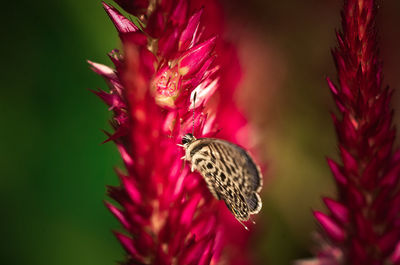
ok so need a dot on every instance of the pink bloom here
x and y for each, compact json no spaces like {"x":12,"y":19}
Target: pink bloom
{"x":362,"y":225}
{"x":168,"y":213}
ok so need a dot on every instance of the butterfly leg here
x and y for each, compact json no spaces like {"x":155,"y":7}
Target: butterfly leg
{"x":245,"y":227}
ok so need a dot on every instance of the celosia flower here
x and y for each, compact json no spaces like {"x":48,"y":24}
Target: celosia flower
{"x":363,"y":223}
{"x":168,"y":213}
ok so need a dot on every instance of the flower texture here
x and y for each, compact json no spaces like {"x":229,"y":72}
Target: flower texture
{"x":170,"y":55}
{"x":363,"y":224}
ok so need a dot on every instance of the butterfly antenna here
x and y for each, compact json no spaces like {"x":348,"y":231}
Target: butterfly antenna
{"x":194,"y":105}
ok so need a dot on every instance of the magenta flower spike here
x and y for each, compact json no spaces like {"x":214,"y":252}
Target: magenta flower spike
{"x":362,"y":226}
{"x":168,"y":214}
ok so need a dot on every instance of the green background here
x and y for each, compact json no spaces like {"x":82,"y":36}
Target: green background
{"x":54,"y":169}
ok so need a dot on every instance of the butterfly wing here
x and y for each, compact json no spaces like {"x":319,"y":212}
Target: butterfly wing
{"x":230,"y":174}
{"x":243,"y":172}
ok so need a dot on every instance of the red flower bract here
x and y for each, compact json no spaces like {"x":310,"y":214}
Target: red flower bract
{"x":168,"y":213}
{"x":363,"y":224}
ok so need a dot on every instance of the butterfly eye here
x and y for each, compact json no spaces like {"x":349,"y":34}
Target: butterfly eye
{"x":188,"y":138}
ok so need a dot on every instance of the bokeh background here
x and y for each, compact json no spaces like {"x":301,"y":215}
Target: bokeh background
{"x":54,"y":169}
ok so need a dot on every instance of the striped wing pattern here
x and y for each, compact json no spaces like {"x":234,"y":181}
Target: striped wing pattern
{"x":230,"y":174}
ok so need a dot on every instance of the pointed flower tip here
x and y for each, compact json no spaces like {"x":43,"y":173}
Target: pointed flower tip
{"x":189,"y":34}
{"x":196,"y":16}
{"x":194,"y":58}
{"x":101,"y":69}
{"x":332,"y":86}
{"x":122,"y":24}
{"x":349,"y":162}
{"x":132,"y":189}
{"x":330,"y":227}
{"x":118,"y":214}
{"x":127,"y":243}
{"x":337,"y":172}
{"x":179,"y":14}
{"x":338,"y":210}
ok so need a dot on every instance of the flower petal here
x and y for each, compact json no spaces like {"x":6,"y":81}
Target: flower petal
{"x":189,"y":210}
{"x":122,"y":24}
{"x":178,"y":16}
{"x":337,"y":172}
{"x":119,"y":215}
{"x":189,"y":34}
{"x":203,"y":93}
{"x":195,"y":252}
{"x":127,"y":243}
{"x":194,"y":58}
{"x":338,"y":210}
{"x":331,"y":228}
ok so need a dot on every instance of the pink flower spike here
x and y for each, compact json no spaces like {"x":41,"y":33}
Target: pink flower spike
{"x":193,"y":59}
{"x":368,"y":176}
{"x":122,"y":24}
{"x":331,"y":228}
{"x":338,"y":210}
{"x":168,"y":214}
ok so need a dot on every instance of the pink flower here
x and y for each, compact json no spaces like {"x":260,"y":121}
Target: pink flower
{"x":168,"y":213}
{"x":362,"y":225}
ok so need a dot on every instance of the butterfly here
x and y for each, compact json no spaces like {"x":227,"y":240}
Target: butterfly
{"x":229,"y":171}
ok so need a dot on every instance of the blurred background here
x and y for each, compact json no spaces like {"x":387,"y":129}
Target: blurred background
{"x":54,"y":169}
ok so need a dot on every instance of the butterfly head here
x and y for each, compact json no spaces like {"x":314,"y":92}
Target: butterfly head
{"x":188,"y":139}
